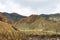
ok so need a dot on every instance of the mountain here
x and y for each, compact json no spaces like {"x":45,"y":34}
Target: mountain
{"x":35,"y":27}
{"x":13,"y":16}
{"x":38,"y":23}
{"x":3,"y":18}
{"x":30,"y":19}
{"x":34,"y":22}
{"x":47,"y":16}
{"x":54,"y":17}
{"x":16,"y":17}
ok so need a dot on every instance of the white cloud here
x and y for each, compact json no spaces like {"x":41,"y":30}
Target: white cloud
{"x":57,"y":9}
{"x":11,"y":6}
{"x":37,"y":0}
{"x":2,"y":7}
{"x":19,"y":9}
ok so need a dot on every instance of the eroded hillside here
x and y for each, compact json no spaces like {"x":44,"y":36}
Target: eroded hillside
{"x":38,"y":24}
{"x":34,"y":27}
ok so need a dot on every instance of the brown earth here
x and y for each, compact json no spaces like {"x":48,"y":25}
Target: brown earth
{"x":7,"y":32}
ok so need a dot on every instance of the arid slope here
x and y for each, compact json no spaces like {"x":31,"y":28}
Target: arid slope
{"x":7,"y":32}
{"x":38,"y":24}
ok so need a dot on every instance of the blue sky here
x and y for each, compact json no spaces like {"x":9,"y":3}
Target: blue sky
{"x":28,"y":7}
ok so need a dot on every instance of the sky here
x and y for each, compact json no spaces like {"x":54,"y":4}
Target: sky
{"x":29,"y":7}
